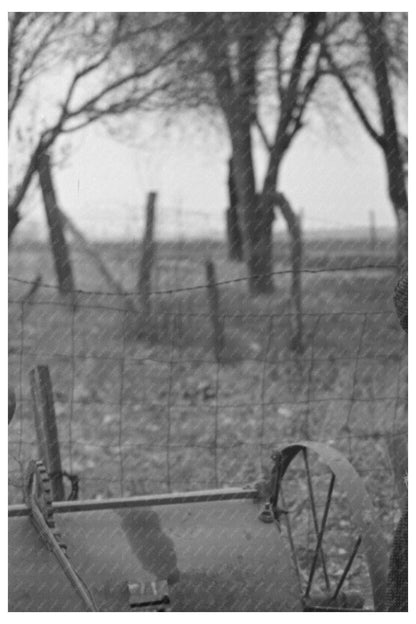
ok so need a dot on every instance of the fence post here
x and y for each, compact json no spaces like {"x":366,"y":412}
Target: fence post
{"x":146,"y":265}
{"x":373,"y":230}
{"x":295,"y":231}
{"x":214,"y":310}
{"x":46,"y":428}
{"x":59,"y":245}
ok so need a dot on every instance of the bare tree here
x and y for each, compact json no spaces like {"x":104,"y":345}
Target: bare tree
{"x":99,"y":80}
{"x":229,"y":63}
{"x":34,"y":45}
{"x":369,"y":60}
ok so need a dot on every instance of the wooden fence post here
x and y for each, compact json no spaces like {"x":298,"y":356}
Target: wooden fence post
{"x":214,"y":311}
{"x":58,"y":243}
{"x":146,"y":265}
{"x":295,"y":232}
{"x":46,"y":428}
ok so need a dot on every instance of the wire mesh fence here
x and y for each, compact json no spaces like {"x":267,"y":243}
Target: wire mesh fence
{"x":161,"y":413}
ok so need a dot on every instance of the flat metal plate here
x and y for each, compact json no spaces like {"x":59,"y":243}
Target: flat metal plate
{"x":36,"y":580}
{"x":215,"y":556}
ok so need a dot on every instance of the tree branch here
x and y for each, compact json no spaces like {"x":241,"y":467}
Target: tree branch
{"x":349,"y":91}
{"x":282,"y":138}
{"x":305,"y":95}
{"x":216,"y":56}
{"x":132,"y":76}
{"x":280,"y":38}
{"x":312,"y":21}
{"x":90,"y":110}
{"x":27,"y":71}
{"x":263,"y":135}
{"x":43,"y":144}
{"x":115,"y":108}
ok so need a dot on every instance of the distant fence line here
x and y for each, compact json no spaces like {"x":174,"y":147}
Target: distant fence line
{"x":178,"y":218}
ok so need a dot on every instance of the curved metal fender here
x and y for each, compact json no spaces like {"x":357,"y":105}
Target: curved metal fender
{"x":362,"y":511}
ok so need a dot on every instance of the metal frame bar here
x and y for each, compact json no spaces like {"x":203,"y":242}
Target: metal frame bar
{"x":314,"y":514}
{"x":202,"y":496}
{"x":320,"y":536}
{"x":346,"y":569}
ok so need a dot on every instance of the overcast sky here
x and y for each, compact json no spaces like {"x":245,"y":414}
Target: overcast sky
{"x":334,"y":179}
{"x":336,"y":182}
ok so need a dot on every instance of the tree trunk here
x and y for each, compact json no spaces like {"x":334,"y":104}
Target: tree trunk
{"x":58,"y":243}
{"x":261,"y":258}
{"x":14,"y":218}
{"x":257,"y":218}
{"x":237,"y":103}
{"x":391,"y":140}
{"x":234,"y":235}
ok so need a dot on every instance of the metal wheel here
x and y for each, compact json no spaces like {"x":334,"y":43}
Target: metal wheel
{"x":320,"y":503}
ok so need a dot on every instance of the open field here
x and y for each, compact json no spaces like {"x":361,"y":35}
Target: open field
{"x":144,"y":416}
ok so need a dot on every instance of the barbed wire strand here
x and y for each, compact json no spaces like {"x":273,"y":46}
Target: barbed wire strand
{"x":236,"y":280}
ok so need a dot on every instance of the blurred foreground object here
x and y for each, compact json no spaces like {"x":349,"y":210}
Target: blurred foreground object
{"x":400,"y":298}
{"x":397,"y":599}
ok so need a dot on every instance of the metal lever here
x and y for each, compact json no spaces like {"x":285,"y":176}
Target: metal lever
{"x":38,"y":499}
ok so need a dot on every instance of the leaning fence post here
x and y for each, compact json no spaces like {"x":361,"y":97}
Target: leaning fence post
{"x":146,"y":265}
{"x":46,"y":428}
{"x":214,"y":310}
{"x":59,"y":245}
{"x":295,"y":231}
